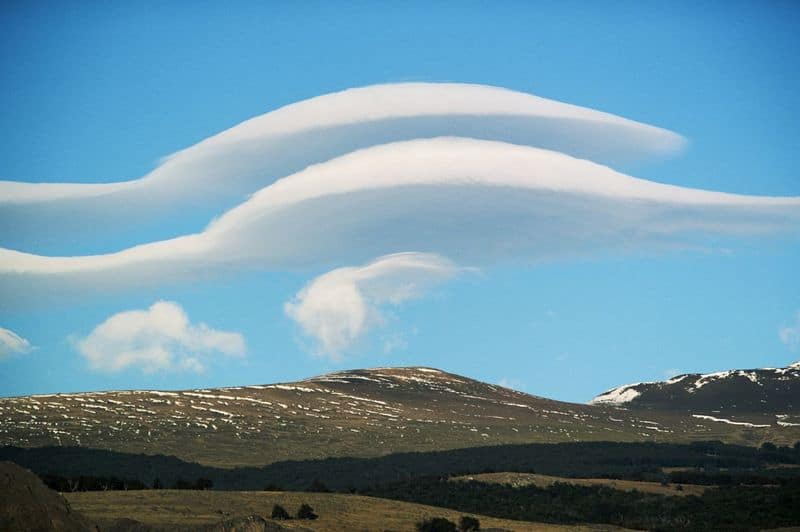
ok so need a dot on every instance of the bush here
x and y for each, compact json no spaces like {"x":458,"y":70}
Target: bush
{"x":436,"y":524}
{"x":317,"y":486}
{"x":203,"y":484}
{"x":181,"y":484}
{"x":279,"y":512}
{"x":468,"y":524}
{"x":306,"y":512}
{"x":199,"y":484}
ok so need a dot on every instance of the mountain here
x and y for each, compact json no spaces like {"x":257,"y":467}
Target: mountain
{"x":774,"y":391}
{"x":365,"y":413}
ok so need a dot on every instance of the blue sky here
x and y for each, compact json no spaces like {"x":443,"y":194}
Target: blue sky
{"x":99,"y":93}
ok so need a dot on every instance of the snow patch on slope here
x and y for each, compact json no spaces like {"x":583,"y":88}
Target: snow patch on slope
{"x":710,"y":377}
{"x":621,"y":395}
{"x":728,"y":421}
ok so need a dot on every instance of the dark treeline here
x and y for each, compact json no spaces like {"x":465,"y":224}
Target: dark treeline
{"x":739,"y":508}
{"x":709,"y":476}
{"x":632,"y":461}
{"x":89,"y":483}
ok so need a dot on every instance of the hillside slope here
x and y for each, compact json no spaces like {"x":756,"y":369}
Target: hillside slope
{"x":721,"y":395}
{"x":27,"y":504}
{"x":352,"y":413}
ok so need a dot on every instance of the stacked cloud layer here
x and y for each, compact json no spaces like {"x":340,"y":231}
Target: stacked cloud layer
{"x":477,"y":174}
{"x":475,"y":201}
{"x":188,"y":188}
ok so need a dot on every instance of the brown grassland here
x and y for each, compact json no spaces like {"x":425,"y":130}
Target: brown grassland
{"x":337,"y":512}
{"x":543,"y":481}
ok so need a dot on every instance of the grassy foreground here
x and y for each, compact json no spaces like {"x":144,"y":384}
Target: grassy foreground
{"x":337,"y":512}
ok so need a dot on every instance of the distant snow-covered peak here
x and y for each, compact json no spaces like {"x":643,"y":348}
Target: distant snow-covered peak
{"x":752,"y":390}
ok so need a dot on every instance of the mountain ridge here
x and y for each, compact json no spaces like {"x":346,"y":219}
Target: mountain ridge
{"x":772,"y":390}
{"x":362,"y":412}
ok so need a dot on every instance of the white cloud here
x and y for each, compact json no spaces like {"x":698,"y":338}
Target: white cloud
{"x":13,"y":344}
{"x":220,"y":171}
{"x":340,"y":308}
{"x":790,"y":333}
{"x":158,"y":338}
{"x":477,"y":202}
{"x":512,"y":384}
{"x":394,"y":342}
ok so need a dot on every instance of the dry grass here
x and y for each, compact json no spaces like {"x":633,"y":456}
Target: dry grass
{"x":338,"y":512}
{"x":543,"y":481}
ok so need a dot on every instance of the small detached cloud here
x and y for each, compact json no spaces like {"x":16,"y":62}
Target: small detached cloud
{"x":511,"y":384}
{"x":158,"y":338}
{"x":13,"y":344}
{"x":394,"y":342}
{"x":790,"y":333}
{"x":340,"y":308}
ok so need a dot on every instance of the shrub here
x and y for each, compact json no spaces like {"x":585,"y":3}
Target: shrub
{"x":181,"y":484}
{"x":203,"y":484}
{"x":306,"y":512}
{"x":768,"y":447}
{"x":436,"y":524}
{"x":317,"y":486}
{"x":468,"y":524}
{"x":279,"y":512}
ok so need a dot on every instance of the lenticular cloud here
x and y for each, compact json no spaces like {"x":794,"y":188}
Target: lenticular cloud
{"x":192,"y":186}
{"x":476,"y":202}
{"x":344,"y":178}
